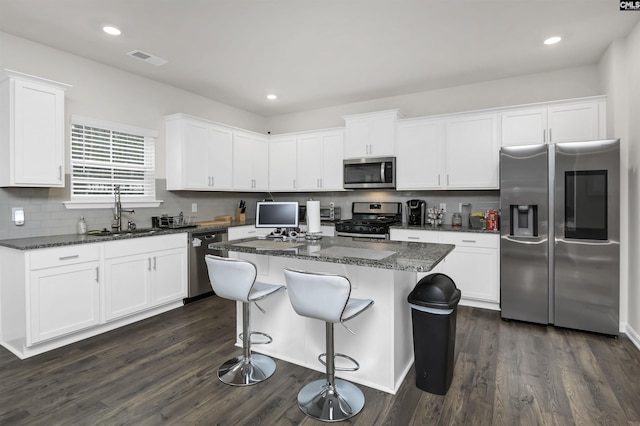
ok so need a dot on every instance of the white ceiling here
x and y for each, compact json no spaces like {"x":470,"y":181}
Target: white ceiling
{"x":318,"y":53}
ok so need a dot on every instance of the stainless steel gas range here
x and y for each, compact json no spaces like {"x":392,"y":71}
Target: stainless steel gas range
{"x":370,"y":220}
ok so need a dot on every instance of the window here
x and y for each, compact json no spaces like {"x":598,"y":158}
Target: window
{"x":104,"y":155}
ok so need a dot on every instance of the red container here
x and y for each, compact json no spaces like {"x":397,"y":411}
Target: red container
{"x":491,"y":218}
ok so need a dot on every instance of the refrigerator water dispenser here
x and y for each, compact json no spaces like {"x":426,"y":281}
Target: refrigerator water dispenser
{"x":524,"y":220}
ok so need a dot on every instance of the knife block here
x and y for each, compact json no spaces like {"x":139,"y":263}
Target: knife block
{"x":240,"y":217}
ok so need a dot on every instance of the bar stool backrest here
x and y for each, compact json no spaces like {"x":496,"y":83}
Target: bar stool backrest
{"x":316,"y":295}
{"x":231,"y":278}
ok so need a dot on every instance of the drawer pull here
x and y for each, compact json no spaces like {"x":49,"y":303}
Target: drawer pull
{"x":468,"y":241}
{"x":413,"y":238}
{"x":75,"y":256}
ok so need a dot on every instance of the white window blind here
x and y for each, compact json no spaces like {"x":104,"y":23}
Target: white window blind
{"x":104,"y":155}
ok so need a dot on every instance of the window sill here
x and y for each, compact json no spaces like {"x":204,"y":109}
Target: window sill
{"x":76,"y":205}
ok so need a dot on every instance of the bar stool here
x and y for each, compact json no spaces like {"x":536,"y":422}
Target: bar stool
{"x":326,"y":297}
{"x":235,"y":279}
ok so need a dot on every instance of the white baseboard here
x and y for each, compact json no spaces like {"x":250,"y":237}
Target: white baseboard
{"x":633,"y":335}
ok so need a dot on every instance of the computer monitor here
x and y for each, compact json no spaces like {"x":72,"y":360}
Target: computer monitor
{"x":277,"y":214}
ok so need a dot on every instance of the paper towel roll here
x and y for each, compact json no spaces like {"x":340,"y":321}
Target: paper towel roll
{"x":313,"y":216}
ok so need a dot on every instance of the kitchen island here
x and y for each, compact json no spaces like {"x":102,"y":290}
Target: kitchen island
{"x":384,"y":271}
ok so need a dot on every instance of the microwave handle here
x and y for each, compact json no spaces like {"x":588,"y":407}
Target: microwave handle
{"x":382,"y":180}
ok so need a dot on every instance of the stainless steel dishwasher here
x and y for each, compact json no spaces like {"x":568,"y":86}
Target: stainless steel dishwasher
{"x":199,"y":285}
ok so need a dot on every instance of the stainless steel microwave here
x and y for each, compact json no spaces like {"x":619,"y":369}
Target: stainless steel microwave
{"x":370,"y":173}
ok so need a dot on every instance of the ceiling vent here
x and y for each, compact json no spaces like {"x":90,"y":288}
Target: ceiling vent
{"x":151,"y":59}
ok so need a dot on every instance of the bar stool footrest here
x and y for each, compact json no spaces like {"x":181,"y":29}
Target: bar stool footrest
{"x":356,"y":367}
{"x":259,"y":333}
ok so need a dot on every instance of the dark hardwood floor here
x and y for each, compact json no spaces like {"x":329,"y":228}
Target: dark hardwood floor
{"x":163,"y":371}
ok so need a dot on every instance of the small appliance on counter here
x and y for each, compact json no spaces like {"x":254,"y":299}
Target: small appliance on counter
{"x":415,"y":212}
{"x":329,"y":213}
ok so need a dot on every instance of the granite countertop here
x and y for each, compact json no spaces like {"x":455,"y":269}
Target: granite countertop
{"x":33,"y":243}
{"x":385,"y":254}
{"x":446,"y":228}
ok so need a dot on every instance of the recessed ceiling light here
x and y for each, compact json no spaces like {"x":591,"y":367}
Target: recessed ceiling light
{"x":111,"y":30}
{"x":552,"y":40}
{"x":272,"y":97}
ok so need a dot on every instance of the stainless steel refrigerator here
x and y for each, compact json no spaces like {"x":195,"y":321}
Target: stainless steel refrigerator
{"x":560,"y":234}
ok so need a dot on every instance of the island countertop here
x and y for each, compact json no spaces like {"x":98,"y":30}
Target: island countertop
{"x":385,"y":254}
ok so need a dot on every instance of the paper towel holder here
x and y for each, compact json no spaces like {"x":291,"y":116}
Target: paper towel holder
{"x":313,"y":215}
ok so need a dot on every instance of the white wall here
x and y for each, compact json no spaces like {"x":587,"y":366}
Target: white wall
{"x":107,"y":93}
{"x":564,"y":84}
{"x":619,"y":68}
{"x":632,"y":85}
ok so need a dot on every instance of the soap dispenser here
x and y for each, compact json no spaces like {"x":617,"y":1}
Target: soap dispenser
{"x":82,"y":226}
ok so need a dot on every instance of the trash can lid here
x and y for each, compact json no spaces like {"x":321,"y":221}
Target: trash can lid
{"x":435,"y":291}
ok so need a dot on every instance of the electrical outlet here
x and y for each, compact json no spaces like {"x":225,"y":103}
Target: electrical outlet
{"x":194,"y":207}
{"x":443,"y":207}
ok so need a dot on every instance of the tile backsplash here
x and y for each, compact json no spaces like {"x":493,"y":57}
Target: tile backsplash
{"x":45,"y":213}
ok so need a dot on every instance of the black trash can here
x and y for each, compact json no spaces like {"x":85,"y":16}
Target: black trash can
{"x":434,"y":301}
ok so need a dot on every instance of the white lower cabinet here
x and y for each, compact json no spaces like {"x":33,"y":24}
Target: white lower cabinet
{"x":55,"y":296}
{"x":63,"y":291}
{"x":473,"y":265}
{"x":141,"y":273}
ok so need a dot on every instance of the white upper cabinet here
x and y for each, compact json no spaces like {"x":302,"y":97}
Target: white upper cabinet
{"x":31,"y":131}
{"x":250,"y":162}
{"x":472,"y":152}
{"x":419,"y":163}
{"x":283,"y":163}
{"x":569,"y":121}
{"x":371,"y":134}
{"x":198,"y":154}
{"x":576,"y":122}
{"x":524,"y":127}
{"x":320,"y":161}
{"x":448,"y":153}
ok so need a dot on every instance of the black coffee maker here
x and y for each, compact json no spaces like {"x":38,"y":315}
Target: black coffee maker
{"x":415,"y":212}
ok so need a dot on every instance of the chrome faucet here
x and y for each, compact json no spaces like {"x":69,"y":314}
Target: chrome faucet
{"x":118,"y":210}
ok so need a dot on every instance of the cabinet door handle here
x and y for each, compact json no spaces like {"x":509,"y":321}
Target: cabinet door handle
{"x":97,"y":274}
{"x":149,"y":265}
{"x":60,"y":173}
{"x":154,"y":262}
{"x":75,"y":256}
{"x":321,"y":183}
{"x":544,"y":136}
{"x":438,"y":180}
{"x":294,"y":183}
{"x":550,"y":136}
